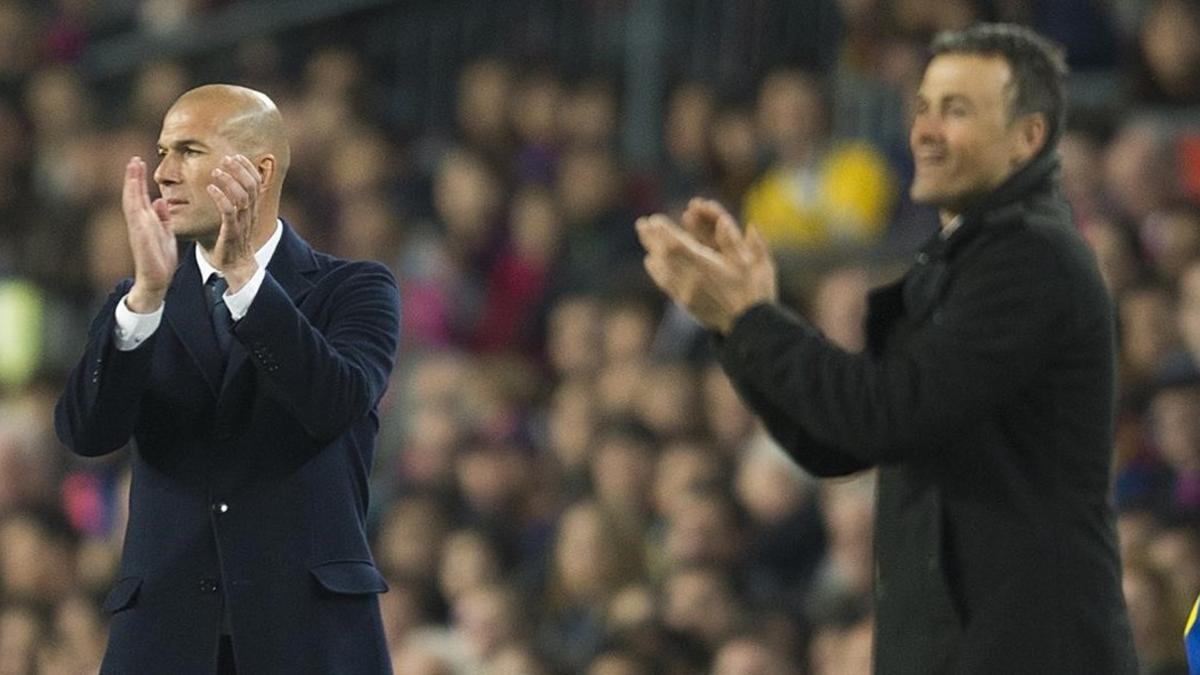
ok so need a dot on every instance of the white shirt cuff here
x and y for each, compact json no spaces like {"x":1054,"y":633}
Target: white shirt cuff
{"x":132,"y":328}
{"x":239,"y":303}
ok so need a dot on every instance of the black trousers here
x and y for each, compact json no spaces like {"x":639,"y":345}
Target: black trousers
{"x":225,"y":664}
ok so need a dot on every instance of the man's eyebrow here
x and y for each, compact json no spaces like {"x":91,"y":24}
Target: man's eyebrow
{"x":183,"y":143}
{"x":945,"y":98}
{"x":957,"y":98}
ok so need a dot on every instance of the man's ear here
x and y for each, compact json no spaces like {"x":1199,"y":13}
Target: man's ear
{"x":1031,"y":134}
{"x":266,"y":171}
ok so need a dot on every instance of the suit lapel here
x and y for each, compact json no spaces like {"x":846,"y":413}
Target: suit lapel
{"x":290,"y":267}
{"x":186,"y":311}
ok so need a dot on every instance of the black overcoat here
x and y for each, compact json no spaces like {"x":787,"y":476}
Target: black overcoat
{"x":985,"y":397}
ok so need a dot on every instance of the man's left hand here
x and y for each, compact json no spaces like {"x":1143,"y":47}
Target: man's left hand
{"x":235,"y":189}
{"x":715,"y":282}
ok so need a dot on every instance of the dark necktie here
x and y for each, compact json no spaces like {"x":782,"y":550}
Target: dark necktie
{"x":222,"y":320}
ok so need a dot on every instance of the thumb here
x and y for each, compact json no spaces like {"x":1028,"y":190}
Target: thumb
{"x":727,"y":236}
{"x":758,"y":246}
{"x":160,"y":209}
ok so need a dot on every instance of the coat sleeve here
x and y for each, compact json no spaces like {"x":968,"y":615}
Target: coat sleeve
{"x":329,"y":376}
{"x":816,"y":458}
{"x":98,"y":408}
{"x":1004,"y":315}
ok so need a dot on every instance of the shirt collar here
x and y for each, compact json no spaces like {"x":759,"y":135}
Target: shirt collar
{"x":952,"y":226}
{"x":262,"y":256}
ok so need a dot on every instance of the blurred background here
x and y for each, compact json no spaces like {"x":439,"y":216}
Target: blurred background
{"x":564,"y":481}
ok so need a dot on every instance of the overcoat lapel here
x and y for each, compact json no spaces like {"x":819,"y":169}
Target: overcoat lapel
{"x":885,"y":306}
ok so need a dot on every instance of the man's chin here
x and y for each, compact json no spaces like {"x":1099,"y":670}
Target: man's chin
{"x":187,"y":231}
{"x":921,"y":194}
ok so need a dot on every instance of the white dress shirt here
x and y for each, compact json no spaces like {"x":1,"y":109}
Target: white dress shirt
{"x":951,"y":226}
{"x":132,"y":328}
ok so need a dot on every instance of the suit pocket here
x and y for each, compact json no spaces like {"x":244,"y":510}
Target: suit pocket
{"x":349,"y":577}
{"x":123,"y":595}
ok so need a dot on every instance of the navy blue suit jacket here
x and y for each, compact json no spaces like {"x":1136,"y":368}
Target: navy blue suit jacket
{"x":249,"y":478}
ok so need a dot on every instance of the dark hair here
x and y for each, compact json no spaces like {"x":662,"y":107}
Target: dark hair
{"x":1038,"y":68}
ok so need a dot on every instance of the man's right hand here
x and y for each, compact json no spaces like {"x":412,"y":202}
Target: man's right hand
{"x":155,"y":253}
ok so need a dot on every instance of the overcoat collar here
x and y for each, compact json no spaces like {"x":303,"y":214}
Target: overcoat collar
{"x":918,"y":291}
{"x":1004,"y":207}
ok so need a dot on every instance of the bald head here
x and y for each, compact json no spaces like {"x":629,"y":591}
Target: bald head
{"x":247,"y":118}
{"x":204,"y":126}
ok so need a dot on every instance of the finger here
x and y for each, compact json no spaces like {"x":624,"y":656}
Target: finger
{"x":653,"y":232}
{"x":710,"y":209}
{"x":685,"y":250}
{"x":650,"y":263}
{"x":660,"y":273}
{"x":161,"y":210}
{"x":667,"y":229}
{"x":233,"y":190}
{"x":243,"y":172}
{"x":251,"y":169}
{"x":728,"y":237}
{"x":231,"y":186}
{"x":127,"y":192}
{"x":661,"y":236}
{"x":694,"y":222}
{"x":224,"y":205}
{"x":133,"y":192}
{"x":143,"y":184}
{"x":758,"y":245}
{"x":646,"y":237}
{"x":724,"y":227}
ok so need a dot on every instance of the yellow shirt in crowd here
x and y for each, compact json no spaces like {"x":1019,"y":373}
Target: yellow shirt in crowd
{"x":843,"y":198}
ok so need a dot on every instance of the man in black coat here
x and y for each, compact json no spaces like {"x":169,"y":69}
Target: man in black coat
{"x":985,"y":395}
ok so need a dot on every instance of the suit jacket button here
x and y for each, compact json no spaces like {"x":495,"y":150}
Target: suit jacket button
{"x":208,"y":585}
{"x":220,"y":507}
{"x":922,"y":258}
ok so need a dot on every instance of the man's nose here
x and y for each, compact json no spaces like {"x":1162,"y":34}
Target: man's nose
{"x":167,"y":171}
{"x":924,"y":127}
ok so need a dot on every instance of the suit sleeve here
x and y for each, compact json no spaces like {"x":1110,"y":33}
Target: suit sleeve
{"x":98,"y":408}
{"x":1002,"y":319}
{"x":331,"y":375}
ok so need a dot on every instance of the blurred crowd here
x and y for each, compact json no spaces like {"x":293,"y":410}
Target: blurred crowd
{"x":564,"y":481}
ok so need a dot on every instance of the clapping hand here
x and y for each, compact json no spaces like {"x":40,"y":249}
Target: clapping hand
{"x":155,"y":253}
{"x":235,"y":189}
{"x":707,"y":265}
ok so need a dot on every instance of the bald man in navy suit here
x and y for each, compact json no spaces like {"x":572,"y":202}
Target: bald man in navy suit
{"x":247,"y":371}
